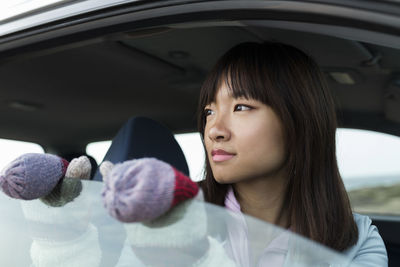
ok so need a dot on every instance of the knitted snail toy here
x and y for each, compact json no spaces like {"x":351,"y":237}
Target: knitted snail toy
{"x":62,"y":237}
{"x":164,"y":212}
{"x":144,"y":189}
{"x":158,"y":203}
{"x":33,"y":175}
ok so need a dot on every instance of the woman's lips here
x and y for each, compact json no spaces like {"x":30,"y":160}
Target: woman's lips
{"x":219,"y":155}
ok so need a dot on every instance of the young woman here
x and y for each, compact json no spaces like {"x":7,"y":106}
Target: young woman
{"x":268,"y":124}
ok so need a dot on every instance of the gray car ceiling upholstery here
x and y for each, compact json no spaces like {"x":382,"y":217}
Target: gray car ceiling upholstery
{"x":66,"y":98}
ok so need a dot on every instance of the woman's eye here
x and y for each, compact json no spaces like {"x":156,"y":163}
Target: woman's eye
{"x":241,"y":107}
{"x":208,"y":112}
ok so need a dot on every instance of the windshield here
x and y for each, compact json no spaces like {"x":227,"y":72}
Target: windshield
{"x":79,"y":232}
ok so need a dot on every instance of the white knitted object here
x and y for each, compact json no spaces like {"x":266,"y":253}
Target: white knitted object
{"x":82,"y":251}
{"x":182,"y":226}
{"x":74,"y":213}
{"x":79,"y":168}
{"x":105,"y":169}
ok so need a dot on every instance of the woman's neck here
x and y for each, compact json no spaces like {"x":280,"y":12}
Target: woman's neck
{"x":263,"y":198}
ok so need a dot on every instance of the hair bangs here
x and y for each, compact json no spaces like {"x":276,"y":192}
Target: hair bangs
{"x":243,"y":80}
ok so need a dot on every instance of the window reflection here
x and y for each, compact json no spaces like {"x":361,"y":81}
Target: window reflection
{"x":81,"y":233}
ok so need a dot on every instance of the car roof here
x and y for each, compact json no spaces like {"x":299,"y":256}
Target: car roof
{"x":76,"y":79}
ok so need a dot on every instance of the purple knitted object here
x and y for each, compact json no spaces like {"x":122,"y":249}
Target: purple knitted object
{"x":32,"y":175}
{"x":139,"y":190}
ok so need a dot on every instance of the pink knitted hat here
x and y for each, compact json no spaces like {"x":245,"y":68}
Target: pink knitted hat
{"x":36,"y":175}
{"x":144,"y":189}
{"x":32,"y":175}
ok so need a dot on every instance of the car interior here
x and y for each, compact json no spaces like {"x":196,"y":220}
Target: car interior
{"x":73,"y":86}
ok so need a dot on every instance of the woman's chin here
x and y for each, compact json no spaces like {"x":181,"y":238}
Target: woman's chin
{"x":225,"y":179}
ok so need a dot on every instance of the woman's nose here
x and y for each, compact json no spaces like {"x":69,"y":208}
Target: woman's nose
{"x":219,"y":130}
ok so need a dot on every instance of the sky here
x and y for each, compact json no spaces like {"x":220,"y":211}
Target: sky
{"x":360,"y":153}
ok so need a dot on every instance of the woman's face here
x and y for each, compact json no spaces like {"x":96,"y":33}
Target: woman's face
{"x":243,"y":138}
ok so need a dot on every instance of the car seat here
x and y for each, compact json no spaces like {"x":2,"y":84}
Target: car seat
{"x":143,"y":137}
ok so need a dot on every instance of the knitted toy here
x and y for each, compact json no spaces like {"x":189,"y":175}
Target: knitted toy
{"x":162,"y":201}
{"x":63,"y":237}
{"x":71,"y":186}
{"x":169,"y":211}
{"x":144,"y":189}
{"x":33,"y":176}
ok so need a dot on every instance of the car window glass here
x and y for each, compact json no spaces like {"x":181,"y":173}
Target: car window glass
{"x":98,"y":150}
{"x":194,"y":153}
{"x":81,"y":233}
{"x":190,"y":143}
{"x":368,"y":162}
{"x":11,"y":149}
{"x":369,"y":165}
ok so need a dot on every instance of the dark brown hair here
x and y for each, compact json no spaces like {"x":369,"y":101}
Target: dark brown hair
{"x":292,"y":84}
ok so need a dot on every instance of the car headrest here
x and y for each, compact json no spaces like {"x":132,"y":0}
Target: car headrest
{"x":142,"y":137}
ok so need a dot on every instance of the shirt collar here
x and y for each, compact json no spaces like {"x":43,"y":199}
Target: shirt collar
{"x":231,"y":202}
